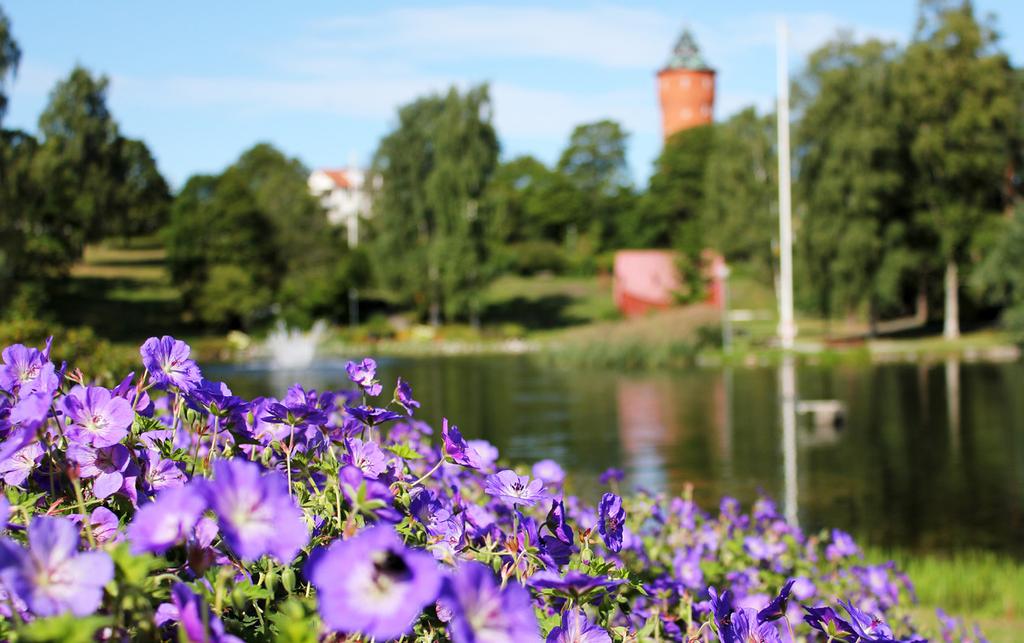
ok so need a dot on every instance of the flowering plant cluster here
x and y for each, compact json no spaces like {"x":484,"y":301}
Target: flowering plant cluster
{"x":168,"y":508}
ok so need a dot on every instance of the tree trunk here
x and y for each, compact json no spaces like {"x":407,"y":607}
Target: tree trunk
{"x":435,"y":313}
{"x":921,"y":313}
{"x":872,"y":318}
{"x":951,"y":327}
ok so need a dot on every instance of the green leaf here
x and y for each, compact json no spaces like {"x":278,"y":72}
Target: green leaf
{"x":66,"y":628}
{"x":404,"y":451}
{"x":295,"y":622}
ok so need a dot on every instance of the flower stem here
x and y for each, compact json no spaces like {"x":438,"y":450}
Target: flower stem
{"x":428,"y":473}
{"x":85,"y":516}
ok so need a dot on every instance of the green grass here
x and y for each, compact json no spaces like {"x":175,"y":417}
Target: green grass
{"x":123,"y":292}
{"x":981,"y":587}
{"x":546,"y":302}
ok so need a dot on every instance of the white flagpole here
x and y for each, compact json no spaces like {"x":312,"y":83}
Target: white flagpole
{"x":787,"y":327}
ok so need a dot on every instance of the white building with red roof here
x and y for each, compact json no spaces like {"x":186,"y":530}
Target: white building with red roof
{"x":343,"y":193}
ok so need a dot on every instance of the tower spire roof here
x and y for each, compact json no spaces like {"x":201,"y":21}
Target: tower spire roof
{"x":686,"y":54}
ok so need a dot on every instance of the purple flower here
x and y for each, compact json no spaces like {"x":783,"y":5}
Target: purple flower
{"x":98,"y":417}
{"x":803,"y":588}
{"x":27,"y":370}
{"x":575,"y":628}
{"x":868,"y":626}
{"x":161,"y":473}
{"x":611,"y":475}
{"x":446,"y":531}
{"x":482,"y":611}
{"x":556,"y":523}
{"x":16,"y":468}
{"x":373,"y":584}
{"x":200,"y":552}
{"x":549,"y":472}
{"x":687,"y":568}
{"x":456,"y":449}
{"x":372,"y":415}
{"x":721,"y":609}
{"x":104,"y":525}
{"x":29,"y":413}
{"x":367,"y":456}
{"x":51,"y":576}
{"x":487,"y":453}
{"x":256,"y":514}
{"x":196,"y":623}
{"x":514,"y":489}
{"x":105,"y":464}
{"x":776,"y":609}
{"x":371,"y":497}
{"x":166,"y":521}
{"x":842,"y":546}
{"x":746,"y":628}
{"x":403,"y":395}
{"x":143,"y":405}
{"x":294,"y":414}
{"x":168,"y":363}
{"x":826,"y":621}
{"x":611,"y":519}
{"x":364,"y":373}
{"x":761,"y":549}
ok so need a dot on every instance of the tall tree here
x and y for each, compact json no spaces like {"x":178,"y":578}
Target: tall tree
{"x":594,"y":161}
{"x":740,"y":215}
{"x":956,"y":91}
{"x":78,"y":159}
{"x":10,"y":57}
{"x":675,"y":191}
{"x":852,"y":158}
{"x":221,"y":251}
{"x":142,"y":198}
{"x":529,"y":210}
{"x":427,"y":227}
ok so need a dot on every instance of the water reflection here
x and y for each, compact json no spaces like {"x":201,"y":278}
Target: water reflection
{"x":787,"y":408}
{"x":928,"y":457}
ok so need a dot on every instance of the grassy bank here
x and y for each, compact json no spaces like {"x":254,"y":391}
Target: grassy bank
{"x":982,"y":587}
{"x":123,"y":292}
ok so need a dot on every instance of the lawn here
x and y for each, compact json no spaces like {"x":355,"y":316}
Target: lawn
{"x":546,"y":302}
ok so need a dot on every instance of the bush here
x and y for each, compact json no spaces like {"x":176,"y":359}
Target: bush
{"x":231,"y":298}
{"x":540,"y":255}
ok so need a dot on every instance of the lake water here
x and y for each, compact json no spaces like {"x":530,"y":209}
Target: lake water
{"x":930,"y":457}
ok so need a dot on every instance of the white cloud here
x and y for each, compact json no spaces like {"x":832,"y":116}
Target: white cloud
{"x":614,"y":37}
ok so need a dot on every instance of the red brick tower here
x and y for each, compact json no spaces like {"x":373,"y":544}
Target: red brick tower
{"x":686,"y":88}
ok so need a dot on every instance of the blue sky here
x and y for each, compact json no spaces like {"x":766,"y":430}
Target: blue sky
{"x":202,"y":81}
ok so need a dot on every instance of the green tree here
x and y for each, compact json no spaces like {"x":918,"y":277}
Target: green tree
{"x":740,"y":211}
{"x":142,"y":198}
{"x":594,"y":161}
{"x":855,"y":222}
{"x":215,"y":225}
{"x":10,"y":57}
{"x":79,"y":156}
{"x":958,"y":99}
{"x":529,"y":210}
{"x":428,"y":234}
{"x":999,"y":277}
{"x":675,"y":191}
{"x":32,"y":249}
{"x":313,"y":283}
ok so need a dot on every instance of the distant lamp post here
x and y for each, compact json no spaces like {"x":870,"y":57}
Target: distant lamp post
{"x":722,"y":274}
